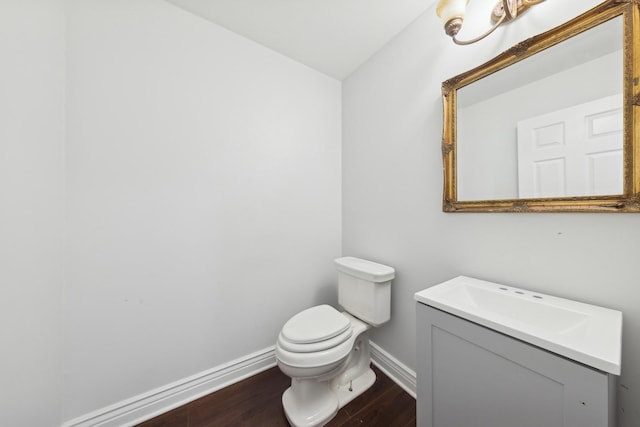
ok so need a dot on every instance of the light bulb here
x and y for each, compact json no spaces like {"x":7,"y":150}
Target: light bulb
{"x":451,"y":9}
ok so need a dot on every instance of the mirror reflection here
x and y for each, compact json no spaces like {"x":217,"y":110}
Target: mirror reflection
{"x":548,"y":126}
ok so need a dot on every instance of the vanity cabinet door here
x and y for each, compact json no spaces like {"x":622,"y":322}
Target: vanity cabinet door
{"x":472,"y":376}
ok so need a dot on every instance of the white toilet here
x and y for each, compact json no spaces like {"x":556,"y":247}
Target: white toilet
{"x":326,"y":352}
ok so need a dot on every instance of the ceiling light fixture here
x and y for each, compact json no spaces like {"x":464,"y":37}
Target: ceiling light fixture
{"x":452,"y":14}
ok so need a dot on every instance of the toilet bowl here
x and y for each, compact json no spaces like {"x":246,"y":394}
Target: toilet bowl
{"x":326,"y":352}
{"x":323,"y":379}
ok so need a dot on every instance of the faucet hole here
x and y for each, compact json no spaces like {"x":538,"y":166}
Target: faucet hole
{"x":520,"y":292}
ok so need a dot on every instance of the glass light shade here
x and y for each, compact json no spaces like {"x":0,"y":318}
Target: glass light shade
{"x":450,"y":9}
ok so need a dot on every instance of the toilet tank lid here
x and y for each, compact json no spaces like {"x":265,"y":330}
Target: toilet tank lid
{"x":367,"y":270}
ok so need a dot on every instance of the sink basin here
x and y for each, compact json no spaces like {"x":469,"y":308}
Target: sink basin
{"x":585,"y":333}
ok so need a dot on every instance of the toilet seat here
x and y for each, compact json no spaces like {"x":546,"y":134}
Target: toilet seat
{"x":317,"y":324}
{"x":314,"y":359}
{"x":315,"y":346}
{"x":317,"y":336}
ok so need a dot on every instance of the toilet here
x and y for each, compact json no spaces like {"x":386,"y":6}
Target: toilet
{"x":326,"y":352}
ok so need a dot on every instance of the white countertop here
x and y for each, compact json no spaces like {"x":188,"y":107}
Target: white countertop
{"x":586,"y":333}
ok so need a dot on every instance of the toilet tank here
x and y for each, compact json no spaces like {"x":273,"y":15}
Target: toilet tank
{"x":364,"y":289}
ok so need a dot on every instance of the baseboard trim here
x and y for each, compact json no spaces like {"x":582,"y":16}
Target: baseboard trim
{"x":156,"y":402}
{"x":145,"y":406}
{"x":394,"y":369}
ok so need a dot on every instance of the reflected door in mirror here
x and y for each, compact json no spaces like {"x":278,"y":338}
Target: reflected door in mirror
{"x":575,"y":151}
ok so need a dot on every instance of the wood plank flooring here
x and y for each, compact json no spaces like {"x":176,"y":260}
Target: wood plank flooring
{"x":256,"y":402}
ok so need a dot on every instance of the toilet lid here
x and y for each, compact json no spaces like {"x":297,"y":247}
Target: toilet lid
{"x":315,"y":324}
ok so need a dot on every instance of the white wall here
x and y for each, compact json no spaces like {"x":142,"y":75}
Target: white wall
{"x":31,"y":210}
{"x":204,"y":196}
{"x":392,"y":196}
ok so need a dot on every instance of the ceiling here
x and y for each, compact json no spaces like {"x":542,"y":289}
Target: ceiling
{"x":331,"y":36}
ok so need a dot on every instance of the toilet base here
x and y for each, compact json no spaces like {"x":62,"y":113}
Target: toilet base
{"x":347,"y":392}
{"x":322,"y":399}
{"x":309,"y":403}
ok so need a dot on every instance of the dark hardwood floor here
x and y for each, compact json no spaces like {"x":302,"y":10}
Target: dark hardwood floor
{"x":256,"y":402}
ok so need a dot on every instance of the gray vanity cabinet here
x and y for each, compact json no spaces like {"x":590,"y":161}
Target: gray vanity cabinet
{"x":472,"y":376}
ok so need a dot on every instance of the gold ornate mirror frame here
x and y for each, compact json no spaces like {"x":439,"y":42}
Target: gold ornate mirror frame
{"x":629,"y":201}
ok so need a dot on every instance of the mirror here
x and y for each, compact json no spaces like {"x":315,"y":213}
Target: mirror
{"x":551,"y":124}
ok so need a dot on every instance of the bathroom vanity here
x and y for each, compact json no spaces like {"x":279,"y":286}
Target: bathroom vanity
{"x":497,"y":356}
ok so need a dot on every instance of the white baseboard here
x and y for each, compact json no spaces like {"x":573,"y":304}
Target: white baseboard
{"x":394,"y":369}
{"x":155,"y":402}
